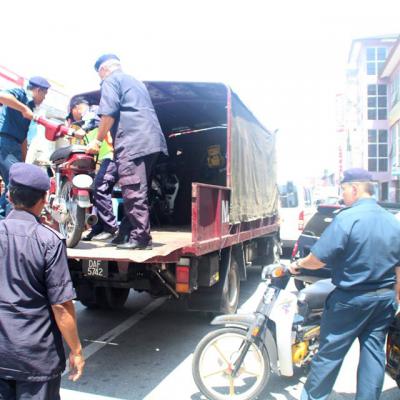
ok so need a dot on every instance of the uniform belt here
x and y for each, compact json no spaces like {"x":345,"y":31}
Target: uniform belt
{"x":366,"y":291}
{"x":8,"y":136}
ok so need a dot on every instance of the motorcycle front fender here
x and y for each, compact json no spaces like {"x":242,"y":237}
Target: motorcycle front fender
{"x":241,"y":320}
{"x":245,"y":321}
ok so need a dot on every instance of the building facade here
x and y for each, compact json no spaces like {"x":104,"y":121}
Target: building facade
{"x":367,"y":139}
{"x":390,"y":75}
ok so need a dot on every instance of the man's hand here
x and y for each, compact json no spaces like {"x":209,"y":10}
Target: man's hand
{"x":294,"y":268}
{"x":27,"y":113}
{"x":76,"y":366}
{"x":93,"y":147}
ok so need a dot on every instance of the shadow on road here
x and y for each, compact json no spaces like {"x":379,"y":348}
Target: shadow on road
{"x":157,"y":347}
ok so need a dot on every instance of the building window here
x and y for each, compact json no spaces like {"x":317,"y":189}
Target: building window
{"x":376,"y":57}
{"x":377,"y":150}
{"x":377,"y":102}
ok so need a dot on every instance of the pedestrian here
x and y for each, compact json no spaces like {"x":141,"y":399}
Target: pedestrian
{"x":362,"y":247}
{"x":36,"y":295}
{"x":106,"y":226}
{"x":15,"y":118}
{"x":127,"y":112}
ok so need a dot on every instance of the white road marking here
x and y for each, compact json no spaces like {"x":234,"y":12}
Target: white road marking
{"x":107,"y":338}
{"x":67,"y":394}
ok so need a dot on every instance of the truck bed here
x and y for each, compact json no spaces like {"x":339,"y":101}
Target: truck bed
{"x":166,"y":241}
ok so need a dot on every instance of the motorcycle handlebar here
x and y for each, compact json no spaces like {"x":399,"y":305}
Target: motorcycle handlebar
{"x":53,"y":130}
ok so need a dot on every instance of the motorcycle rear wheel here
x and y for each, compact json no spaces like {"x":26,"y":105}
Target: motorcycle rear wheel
{"x":213,"y":360}
{"x":74,"y":225}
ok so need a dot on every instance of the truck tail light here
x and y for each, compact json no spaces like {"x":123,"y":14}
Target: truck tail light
{"x":301,"y":220}
{"x":182,"y":275}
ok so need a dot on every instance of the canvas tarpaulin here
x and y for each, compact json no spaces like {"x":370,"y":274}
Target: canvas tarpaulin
{"x":254,"y":191}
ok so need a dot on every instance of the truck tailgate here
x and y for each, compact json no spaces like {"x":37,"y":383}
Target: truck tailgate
{"x":165,"y":242}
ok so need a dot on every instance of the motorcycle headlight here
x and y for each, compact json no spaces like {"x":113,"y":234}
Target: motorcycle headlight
{"x":82,"y":181}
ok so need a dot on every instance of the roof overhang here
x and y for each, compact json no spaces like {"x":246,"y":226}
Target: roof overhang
{"x":392,"y":61}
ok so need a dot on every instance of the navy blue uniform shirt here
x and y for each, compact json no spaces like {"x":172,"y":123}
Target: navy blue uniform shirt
{"x":33,"y":276}
{"x":362,"y":245}
{"x":136,"y":131}
{"x":12,"y":122}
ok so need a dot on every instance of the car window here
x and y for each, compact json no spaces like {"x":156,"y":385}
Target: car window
{"x":317,"y":224}
{"x":288,"y":195}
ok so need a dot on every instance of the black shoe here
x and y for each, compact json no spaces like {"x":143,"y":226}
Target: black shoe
{"x":119,"y":239}
{"x":90,"y":236}
{"x":133,"y":245}
{"x":103,"y":236}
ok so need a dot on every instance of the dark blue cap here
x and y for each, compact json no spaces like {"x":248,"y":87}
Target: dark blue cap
{"x":356,"y":175}
{"x":32,"y":176}
{"x":39,"y":81}
{"x":104,"y":58}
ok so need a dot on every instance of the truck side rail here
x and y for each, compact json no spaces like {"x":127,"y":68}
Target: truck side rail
{"x":211,"y":229}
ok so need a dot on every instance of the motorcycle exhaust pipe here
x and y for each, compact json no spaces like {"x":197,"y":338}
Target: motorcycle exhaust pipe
{"x":91,"y":219}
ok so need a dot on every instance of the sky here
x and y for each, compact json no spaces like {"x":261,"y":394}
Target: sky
{"x":285,"y":59}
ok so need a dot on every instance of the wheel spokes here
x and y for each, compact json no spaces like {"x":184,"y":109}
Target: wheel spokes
{"x":221,"y":354}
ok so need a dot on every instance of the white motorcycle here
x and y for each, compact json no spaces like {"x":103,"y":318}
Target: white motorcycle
{"x":236,"y":361}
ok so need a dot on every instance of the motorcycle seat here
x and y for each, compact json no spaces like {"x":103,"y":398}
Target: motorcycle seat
{"x":315,"y":294}
{"x":63,"y":153}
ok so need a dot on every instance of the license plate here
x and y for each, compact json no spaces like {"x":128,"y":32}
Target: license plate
{"x":95,"y":268}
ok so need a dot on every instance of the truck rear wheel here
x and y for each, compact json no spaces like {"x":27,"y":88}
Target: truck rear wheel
{"x":231,"y":289}
{"x":102,"y":297}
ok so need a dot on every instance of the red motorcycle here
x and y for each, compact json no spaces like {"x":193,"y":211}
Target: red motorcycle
{"x":69,"y":206}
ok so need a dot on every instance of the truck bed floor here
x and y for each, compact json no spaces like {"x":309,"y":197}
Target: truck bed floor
{"x":165,"y":241}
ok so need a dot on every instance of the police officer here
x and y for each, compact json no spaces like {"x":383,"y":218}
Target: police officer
{"x":127,"y":112}
{"x":15,"y":117}
{"x":36,"y":295}
{"x":362,"y":246}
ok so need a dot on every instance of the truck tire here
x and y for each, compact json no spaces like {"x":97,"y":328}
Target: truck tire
{"x":222,"y":297}
{"x":86,"y":294}
{"x":231,"y":289}
{"x":110,"y":298}
{"x":274,"y":255}
{"x":102,"y":297}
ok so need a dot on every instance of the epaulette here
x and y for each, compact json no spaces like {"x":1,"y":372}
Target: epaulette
{"x":58,"y":234}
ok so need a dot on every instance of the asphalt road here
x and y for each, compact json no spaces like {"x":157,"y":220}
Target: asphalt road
{"x":144,"y":351}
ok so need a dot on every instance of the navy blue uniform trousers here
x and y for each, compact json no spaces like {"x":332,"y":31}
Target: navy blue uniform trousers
{"x":134,"y":179}
{"x":10,"y":153}
{"x":104,"y":184}
{"x":351,"y":315}
{"x":21,"y":390}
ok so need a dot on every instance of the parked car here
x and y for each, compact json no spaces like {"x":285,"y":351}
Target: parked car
{"x":296,"y":209}
{"x":312,"y":232}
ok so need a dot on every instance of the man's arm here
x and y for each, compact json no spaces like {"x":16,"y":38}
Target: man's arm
{"x":308,"y":262}
{"x":65,"y":317}
{"x":24,"y":149}
{"x":106,"y":123}
{"x":10,"y":101}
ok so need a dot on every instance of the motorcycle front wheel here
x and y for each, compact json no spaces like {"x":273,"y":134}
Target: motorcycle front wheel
{"x":74,"y":224}
{"x":213,"y":362}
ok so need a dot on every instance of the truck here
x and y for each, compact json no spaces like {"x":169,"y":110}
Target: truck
{"x":213,"y":206}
